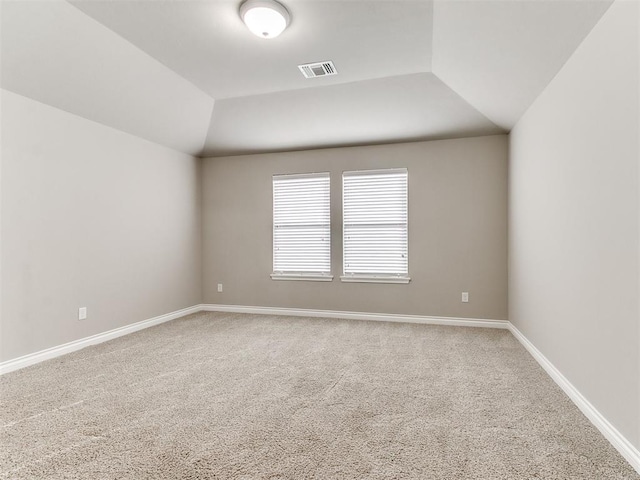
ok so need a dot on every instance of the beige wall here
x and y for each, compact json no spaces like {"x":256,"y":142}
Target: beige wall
{"x":574,"y":219}
{"x":457,"y":229}
{"x":90,"y":217}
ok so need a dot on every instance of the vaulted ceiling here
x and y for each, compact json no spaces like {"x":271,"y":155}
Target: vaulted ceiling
{"x":189,"y":75}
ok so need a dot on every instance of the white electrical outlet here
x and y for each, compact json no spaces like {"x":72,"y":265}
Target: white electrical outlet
{"x":219,"y":287}
{"x":465,"y":297}
{"x":82,"y":313}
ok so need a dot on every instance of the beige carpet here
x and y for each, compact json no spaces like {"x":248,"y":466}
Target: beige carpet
{"x":233,"y":396}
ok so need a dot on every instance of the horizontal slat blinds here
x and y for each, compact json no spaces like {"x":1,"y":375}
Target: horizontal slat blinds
{"x":301,"y":224}
{"x":375,"y":223}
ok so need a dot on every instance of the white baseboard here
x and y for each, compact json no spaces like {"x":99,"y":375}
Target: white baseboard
{"x":626,"y":449}
{"x":33,"y":358}
{"x":377,"y":317}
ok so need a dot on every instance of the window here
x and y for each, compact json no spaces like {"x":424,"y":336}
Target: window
{"x":375,"y":231}
{"x":301,"y":227}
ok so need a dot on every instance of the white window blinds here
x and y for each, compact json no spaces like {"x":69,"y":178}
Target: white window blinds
{"x":375,"y":231}
{"x":301,"y":226}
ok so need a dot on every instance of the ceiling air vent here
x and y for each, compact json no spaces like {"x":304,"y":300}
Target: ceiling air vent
{"x":320,"y":69}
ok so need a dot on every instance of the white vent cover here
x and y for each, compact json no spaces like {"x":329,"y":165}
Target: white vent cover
{"x":320,"y":69}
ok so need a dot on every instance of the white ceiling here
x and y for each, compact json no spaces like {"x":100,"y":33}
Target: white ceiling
{"x":499,"y":55}
{"x":189,"y":75}
{"x":55,"y":54}
{"x":207,"y":43}
{"x":403,"y":108}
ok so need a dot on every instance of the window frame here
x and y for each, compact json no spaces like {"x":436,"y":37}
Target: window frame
{"x":398,"y":278}
{"x":294,"y":274}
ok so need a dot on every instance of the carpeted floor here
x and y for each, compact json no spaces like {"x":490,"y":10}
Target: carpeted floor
{"x":231,"y":396}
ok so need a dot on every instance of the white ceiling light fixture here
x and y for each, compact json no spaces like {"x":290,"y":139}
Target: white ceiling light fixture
{"x":265,"y":18}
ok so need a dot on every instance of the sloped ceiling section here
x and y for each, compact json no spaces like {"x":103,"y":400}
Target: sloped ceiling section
{"x":407,"y":69}
{"x":402,"y":108}
{"x":500,"y":55}
{"x":55,"y":54}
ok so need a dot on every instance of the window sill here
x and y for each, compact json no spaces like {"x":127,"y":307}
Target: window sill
{"x":374,"y":279}
{"x":305,"y":277}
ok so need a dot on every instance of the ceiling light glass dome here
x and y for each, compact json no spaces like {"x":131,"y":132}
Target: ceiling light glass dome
{"x":264,"y":18}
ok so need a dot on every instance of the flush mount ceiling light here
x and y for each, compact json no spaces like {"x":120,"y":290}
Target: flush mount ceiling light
{"x":264,"y":18}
